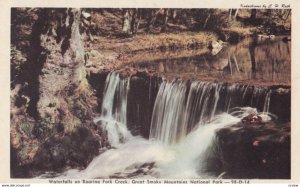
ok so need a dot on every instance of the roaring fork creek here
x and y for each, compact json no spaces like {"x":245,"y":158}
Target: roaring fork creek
{"x":167,"y":129}
{"x":182,"y":136}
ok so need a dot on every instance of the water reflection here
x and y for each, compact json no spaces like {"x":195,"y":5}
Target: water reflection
{"x":259,"y":60}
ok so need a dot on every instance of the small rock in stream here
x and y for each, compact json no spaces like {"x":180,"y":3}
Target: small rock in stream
{"x":252,"y":119}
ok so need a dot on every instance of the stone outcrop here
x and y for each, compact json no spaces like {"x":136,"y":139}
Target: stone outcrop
{"x":58,"y":152}
{"x":255,"y":150}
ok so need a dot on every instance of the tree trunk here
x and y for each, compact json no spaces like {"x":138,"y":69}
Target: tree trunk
{"x":166,"y":17}
{"x":236,"y":13}
{"x":230,"y":12}
{"x":134,"y":20}
{"x":60,"y":99}
{"x":207,"y":18}
{"x":233,"y":14}
{"x":253,"y":14}
{"x":139,"y":15}
{"x":127,"y":22}
{"x":59,"y":74}
{"x":252,"y":58}
{"x":152,"y":18}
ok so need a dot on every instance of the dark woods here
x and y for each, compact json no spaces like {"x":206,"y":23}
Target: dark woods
{"x":140,"y":20}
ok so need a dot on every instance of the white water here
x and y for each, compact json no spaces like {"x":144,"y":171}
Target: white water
{"x":267,"y":103}
{"x":182,"y":160}
{"x":173,"y":112}
{"x":169,"y":112}
{"x":114,"y":109}
{"x":176,"y":151}
{"x":178,"y":108}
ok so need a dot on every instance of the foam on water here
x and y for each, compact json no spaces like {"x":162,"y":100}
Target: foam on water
{"x":182,"y":160}
{"x":113,"y":117}
{"x":174,"y":150}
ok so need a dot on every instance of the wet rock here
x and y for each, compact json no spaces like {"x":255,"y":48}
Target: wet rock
{"x":76,"y":149}
{"x":252,"y":119}
{"x":141,"y":99}
{"x":135,"y":171}
{"x":280,"y":103}
{"x":255,"y":151}
{"x":283,"y":90}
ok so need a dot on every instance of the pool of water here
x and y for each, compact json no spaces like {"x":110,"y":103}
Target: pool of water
{"x":264,"y":61}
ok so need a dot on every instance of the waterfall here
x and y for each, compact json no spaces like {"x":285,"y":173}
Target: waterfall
{"x":114,"y":109}
{"x":183,"y":160}
{"x":177,"y":108}
{"x":267,"y":103}
{"x":169,"y":111}
{"x":185,"y":116}
{"x":181,"y":106}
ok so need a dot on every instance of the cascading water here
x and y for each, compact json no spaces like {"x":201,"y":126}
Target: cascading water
{"x":169,"y":112}
{"x":267,"y":103}
{"x":173,"y":111}
{"x":185,"y":159}
{"x":184,"y":120}
{"x":114,"y":109}
{"x":180,"y":106}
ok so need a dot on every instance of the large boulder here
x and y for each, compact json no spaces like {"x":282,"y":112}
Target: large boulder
{"x":256,"y":150}
{"x":57,"y":152}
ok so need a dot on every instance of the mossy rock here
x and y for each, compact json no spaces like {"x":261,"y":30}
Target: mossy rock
{"x":71,"y":125}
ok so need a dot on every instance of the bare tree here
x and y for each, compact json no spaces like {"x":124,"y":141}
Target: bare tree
{"x":127,"y":22}
{"x":253,"y":14}
{"x":131,"y":20}
{"x":152,"y":16}
{"x":252,"y":57}
{"x":166,"y":17}
{"x":233,"y":14}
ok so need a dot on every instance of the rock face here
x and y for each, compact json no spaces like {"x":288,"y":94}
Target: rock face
{"x":252,"y":119}
{"x":141,"y":98}
{"x":58,"y":152}
{"x":256,"y":150}
{"x":76,"y":149}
